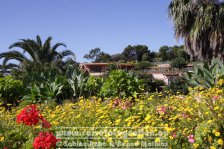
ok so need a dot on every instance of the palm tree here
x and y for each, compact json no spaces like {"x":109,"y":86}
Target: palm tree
{"x":5,"y":69}
{"x":34,"y":52}
{"x":200,"y":23}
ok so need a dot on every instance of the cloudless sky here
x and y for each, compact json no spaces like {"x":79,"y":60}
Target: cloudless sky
{"x":86,"y":24}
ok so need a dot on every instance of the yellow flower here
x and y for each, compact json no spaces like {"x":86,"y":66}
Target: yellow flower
{"x":217,"y":134}
{"x":168,"y":129}
{"x":137,"y":143}
{"x":140,"y":136}
{"x":219,"y":91}
{"x":132,"y":134}
{"x":195,"y":145}
{"x":220,"y":82}
{"x":109,"y":140}
{"x":212,"y":147}
{"x":55,"y":123}
{"x":157,"y":140}
{"x":214,"y":131}
{"x":147,"y":117}
{"x":117,"y":121}
{"x":171,"y":137}
{"x":209,"y":121}
{"x":38,"y":126}
{"x":53,"y":115}
{"x":220,"y":142}
{"x":2,"y":138}
{"x":210,"y":139}
{"x":216,"y":108}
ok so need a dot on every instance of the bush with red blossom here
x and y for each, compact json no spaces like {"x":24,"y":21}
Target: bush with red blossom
{"x":45,"y":140}
{"x":31,"y":116}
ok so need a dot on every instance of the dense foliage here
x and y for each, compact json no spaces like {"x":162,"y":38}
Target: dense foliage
{"x":10,"y":90}
{"x":121,"y":84}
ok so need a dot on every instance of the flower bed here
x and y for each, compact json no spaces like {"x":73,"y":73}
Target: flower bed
{"x":191,"y":121}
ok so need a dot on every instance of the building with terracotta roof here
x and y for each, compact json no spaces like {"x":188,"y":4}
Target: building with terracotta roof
{"x":98,"y":69}
{"x":163,"y":72}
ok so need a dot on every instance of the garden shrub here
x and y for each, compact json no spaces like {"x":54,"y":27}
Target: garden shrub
{"x":150,"y":84}
{"x":10,"y":90}
{"x":121,"y":84}
{"x":142,"y":65}
{"x":93,"y":86}
{"x":178,"y":86}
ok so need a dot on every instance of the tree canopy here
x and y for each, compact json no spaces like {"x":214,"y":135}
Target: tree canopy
{"x":167,"y":53}
{"x":96,"y":55}
{"x":136,"y":53}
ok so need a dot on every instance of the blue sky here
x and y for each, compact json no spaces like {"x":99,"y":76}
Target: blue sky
{"x":86,"y":24}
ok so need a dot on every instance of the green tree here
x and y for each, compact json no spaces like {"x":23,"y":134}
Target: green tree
{"x":178,"y":62}
{"x":146,"y":57}
{"x":103,"y":57}
{"x":34,"y":52}
{"x":97,"y":56}
{"x":169,"y":53}
{"x":200,"y":23}
{"x":92,"y":54}
{"x":135,"y":53}
{"x":164,"y":53}
{"x":117,"y":58}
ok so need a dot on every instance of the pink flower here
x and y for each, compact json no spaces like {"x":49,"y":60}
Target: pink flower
{"x":126,"y":105}
{"x":215,"y":98}
{"x":184,"y":115}
{"x":161,"y":110}
{"x":116,"y":103}
{"x":191,"y":138}
{"x":174,"y":135}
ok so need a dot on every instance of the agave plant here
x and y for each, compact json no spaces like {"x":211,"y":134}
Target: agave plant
{"x":206,"y":75}
{"x":77,"y":82}
{"x":48,"y":90}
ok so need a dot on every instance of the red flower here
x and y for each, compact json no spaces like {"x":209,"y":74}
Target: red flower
{"x":45,"y":123}
{"x":28,"y":116}
{"x":45,"y":140}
